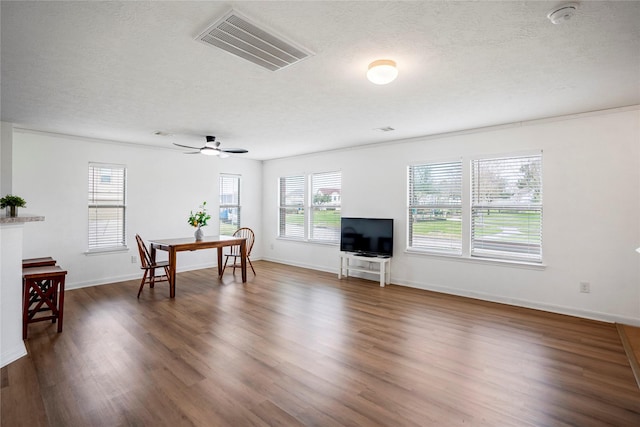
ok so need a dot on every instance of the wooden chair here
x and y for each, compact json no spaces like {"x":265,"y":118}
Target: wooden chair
{"x":248,"y":234}
{"x":149,"y":267}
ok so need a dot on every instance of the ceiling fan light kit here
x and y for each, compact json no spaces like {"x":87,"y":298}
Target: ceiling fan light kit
{"x":209,"y":151}
{"x":382,"y":71}
{"x":212,"y":148}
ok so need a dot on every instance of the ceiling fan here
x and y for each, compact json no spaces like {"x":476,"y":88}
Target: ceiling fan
{"x":212,"y":148}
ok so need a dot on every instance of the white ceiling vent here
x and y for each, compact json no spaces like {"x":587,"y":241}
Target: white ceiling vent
{"x":238,"y":35}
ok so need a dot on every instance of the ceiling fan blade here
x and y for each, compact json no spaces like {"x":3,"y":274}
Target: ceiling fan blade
{"x":234,"y":150}
{"x":186,"y":146}
{"x":193,"y":152}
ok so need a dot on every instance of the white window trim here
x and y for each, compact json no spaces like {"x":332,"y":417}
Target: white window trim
{"x":281,"y":205}
{"x":409,"y":206}
{"x":307,"y":206}
{"x":502,"y":255}
{"x":116,"y":248}
{"x":476,"y":260}
{"x":311,"y":206}
{"x":466,"y":215}
{"x":224,"y":205}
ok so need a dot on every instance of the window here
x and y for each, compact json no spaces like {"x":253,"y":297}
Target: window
{"x":435,"y":207}
{"x":309,"y":209}
{"x":497,"y":216}
{"x":291,"y":211}
{"x":229,"y":204}
{"x":325,"y":207}
{"x":107,"y":207}
{"x":506,"y":208}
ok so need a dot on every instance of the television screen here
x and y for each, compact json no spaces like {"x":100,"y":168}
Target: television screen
{"x":367,"y":236}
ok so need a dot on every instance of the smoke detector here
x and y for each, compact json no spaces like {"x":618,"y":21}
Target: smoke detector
{"x":562,"y":13}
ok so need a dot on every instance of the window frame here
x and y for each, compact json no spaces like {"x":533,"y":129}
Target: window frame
{"x":507,"y":250}
{"x":446,"y":246}
{"x":532,"y":262}
{"x":95,"y":244}
{"x":237,"y":183}
{"x":297,"y":179}
{"x":314,"y":207}
{"x":302,"y":201}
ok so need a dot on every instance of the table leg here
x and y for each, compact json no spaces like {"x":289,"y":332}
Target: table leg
{"x":60,"y":304}
{"x":243,"y":260}
{"x":220,"y":261}
{"x":25,"y":308}
{"x":172,"y":272}
{"x":152,"y":271}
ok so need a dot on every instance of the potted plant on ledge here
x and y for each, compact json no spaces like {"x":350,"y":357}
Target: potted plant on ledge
{"x":12,"y":203}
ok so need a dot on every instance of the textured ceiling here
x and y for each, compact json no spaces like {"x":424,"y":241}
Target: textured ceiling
{"x":122,"y":70}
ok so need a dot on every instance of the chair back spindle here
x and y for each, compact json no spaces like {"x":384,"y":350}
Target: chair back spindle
{"x":145,"y":256}
{"x":149,"y":266}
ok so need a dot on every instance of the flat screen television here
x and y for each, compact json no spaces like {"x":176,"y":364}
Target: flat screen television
{"x":367,"y":236}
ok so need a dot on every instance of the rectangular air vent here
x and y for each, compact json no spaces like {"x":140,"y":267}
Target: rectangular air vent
{"x":238,"y":35}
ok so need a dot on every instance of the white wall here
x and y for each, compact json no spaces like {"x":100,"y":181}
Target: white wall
{"x":6,"y":155}
{"x":50,"y":173}
{"x":591,"y":208}
{"x":591,"y":174}
{"x":11,"y":343}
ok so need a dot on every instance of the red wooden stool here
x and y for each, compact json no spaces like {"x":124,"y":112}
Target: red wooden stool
{"x":43,"y":290}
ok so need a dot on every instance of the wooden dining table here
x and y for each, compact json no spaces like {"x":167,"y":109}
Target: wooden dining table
{"x":173,"y":246}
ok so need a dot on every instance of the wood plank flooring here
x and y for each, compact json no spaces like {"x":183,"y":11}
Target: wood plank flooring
{"x":630,"y":336}
{"x":296,"y":347}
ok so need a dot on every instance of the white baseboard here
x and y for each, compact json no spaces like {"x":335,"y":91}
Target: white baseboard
{"x":11,"y":355}
{"x":570,"y":311}
{"x":553,"y":308}
{"x":302,"y":265}
{"x":127,"y":277}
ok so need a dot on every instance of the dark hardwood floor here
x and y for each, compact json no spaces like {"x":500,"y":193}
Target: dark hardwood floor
{"x":295,"y":347}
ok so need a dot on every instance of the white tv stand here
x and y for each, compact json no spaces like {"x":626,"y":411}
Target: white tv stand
{"x":383,"y":269}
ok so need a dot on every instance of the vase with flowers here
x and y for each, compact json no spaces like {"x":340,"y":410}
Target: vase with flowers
{"x":199,"y":219}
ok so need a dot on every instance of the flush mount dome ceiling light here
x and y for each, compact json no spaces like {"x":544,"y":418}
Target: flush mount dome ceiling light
{"x":562,"y":13}
{"x":382,"y":71}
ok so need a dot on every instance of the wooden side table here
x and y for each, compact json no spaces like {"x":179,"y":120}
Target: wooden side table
{"x":43,"y":291}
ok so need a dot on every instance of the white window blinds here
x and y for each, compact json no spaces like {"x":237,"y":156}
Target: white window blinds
{"x":229,"y":202}
{"x":326,"y":190}
{"x":506,"y":208}
{"x":435,"y":207}
{"x":291,"y":209}
{"x":107,"y":209}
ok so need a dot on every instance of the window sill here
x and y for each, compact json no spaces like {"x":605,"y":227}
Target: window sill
{"x":490,"y":261}
{"x":315,"y":242}
{"x":106,"y":251}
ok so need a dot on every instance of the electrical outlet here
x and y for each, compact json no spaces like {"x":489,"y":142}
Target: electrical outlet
{"x":585,"y":287}
{"x":133,"y":259}
{"x":271,"y":246}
